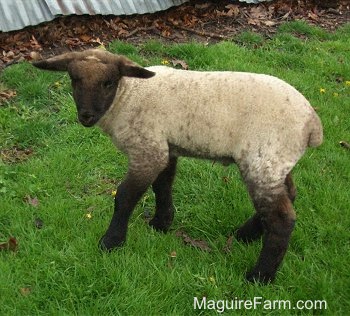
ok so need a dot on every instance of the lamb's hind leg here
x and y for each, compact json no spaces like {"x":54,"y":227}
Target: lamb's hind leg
{"x":162,"y":188}
{"x":253,"y":228}
{"x":278,"y":220}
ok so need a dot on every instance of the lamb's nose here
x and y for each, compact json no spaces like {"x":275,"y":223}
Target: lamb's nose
{"x":86,"y":118}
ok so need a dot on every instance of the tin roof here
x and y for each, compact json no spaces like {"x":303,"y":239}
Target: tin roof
{"x":253,"y":1}
{"x":17,"y":14}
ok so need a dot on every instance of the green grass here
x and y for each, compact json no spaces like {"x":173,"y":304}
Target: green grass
{"x":72,"y":170}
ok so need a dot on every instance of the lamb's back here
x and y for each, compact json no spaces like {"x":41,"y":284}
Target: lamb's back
{"x":222,"y":111}
{"x":215,"y":114}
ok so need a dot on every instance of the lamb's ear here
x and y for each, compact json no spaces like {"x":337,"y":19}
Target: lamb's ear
{"x":57,"y":63}
{"x":135,"y":71}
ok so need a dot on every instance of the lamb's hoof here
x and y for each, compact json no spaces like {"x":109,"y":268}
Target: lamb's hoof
{"x":160,"y":225}
{"x":109,"y":243}
{"x":259,"y":277}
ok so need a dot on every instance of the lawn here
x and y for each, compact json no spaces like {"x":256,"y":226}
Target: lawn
{"x":56,"y":196}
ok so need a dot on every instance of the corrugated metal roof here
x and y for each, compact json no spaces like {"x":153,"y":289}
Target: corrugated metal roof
{"x":253,"y":1}
{"x":17,"y":14}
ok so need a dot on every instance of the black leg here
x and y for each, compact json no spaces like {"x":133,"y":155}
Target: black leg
{"x":278,"y":218}
{"x":162,"y":188}
{"x":128,"y":194}
{"x":144,"y":168}
{"x":251,"y":230}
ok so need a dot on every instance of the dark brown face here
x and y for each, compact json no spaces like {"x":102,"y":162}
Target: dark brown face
{"x":94,"y":88}
{"x":95,"y":76}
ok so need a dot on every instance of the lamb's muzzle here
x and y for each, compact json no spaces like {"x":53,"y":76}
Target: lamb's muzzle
{"x":157,"y":114}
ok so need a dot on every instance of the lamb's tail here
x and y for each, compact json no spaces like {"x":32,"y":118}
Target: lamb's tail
{"x":316,"y":131}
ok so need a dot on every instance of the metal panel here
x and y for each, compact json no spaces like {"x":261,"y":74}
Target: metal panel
{"x":254,"y":1}
{"x":17,"y":14}
{"x":116,"y":7}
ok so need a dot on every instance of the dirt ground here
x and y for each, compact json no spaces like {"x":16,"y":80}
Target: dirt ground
{"x":200,"y":20}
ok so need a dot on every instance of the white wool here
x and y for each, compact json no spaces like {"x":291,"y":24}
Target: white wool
{"x":259,"y":121}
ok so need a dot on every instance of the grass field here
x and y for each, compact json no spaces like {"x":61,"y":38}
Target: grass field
{"x":57,"y":178}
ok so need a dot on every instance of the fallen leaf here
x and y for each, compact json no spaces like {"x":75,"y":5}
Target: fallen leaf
{"x":202,"y":6}
{"x":6,"y":95}
{"x":38,"y":223}
{"x":72,"y":41}
{"x":201,"y":18}
{"x":85,"y":38}
{"x":34,"y":44}
{"x":212,"y":280}
{"x":147,"y":214}
{"x":344,"y":144}
{"x":15,"y":154}
{"x":123,"y":32}
{"x":233,"y":10}
{"x":189,"y":20}
{"x":25,"y":291}
{"x":88,"y":215}
{"x":31,"y":201}
{"x":228,"y":245}
{"x":313,"y":16}
{"x":10,"y":54}
{"x":197,"y":243}
{"x":257,"y":12}
{"x":35,"y":56}
{"x":226,"y":179}
{"x":166,"y":33}
{"x":171,"y":260}
{"x":180,"y":62}
{"x":10,"y":245}
{"x":269,"y":23}
{"x":286,"y":15}
{"x":101,"y":46}
{"x":253,"y":21}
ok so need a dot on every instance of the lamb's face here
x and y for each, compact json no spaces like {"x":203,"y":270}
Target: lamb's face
{"x":94,"y":87}
{"x":95,"y":75}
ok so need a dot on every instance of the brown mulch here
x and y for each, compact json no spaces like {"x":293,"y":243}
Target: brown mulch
{"x":15,"y":154}
{"x":205,"y":20}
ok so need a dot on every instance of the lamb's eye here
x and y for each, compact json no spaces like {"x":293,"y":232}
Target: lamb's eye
{"x":107,"y":84}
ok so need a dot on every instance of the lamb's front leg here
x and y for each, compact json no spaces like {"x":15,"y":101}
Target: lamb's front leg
{"x":128,"y":194}
{"x":143,"y":170}
{"x":162,"y":188}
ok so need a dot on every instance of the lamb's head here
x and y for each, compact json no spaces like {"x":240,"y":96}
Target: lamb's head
{"x":95,"y":75}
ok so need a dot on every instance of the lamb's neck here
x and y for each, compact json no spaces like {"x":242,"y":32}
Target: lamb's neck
{"x":107,"y":120}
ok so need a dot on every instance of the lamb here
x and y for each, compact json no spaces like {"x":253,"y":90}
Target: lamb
{"x":156,"y":114}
